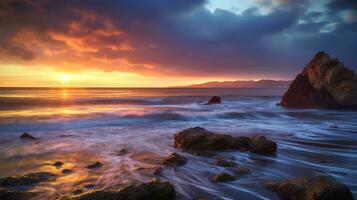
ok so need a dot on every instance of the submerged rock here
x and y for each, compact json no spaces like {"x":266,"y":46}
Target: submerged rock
{"x":152,"y":190}
{"x":122,"y":152}
{"x":95,"y":165}
{"x":27,"y":179}
{"x":11,"y":194}
{"x":311,"y":188}
{"x":260,"y":145}
{"x":241,"y":171}
{"x":58,"y":164}
{"x":200,"y":139}
{"x":214,"y":100}
{"x":324,"y":83}
{"x":67,"y":171}
{"x":225,"y":163}
{"x":174,"y":160}
{"x":222,"y":177}
{"x":27,"y":136}
{"x":202,"y":153}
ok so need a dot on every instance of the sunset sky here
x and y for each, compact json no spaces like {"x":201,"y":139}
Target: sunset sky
{"x":159,"y":43}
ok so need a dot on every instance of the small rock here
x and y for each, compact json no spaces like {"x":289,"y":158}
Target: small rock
{"x":175,"y":160}
{"x":89,"y":185}
{"x":151,"y":190}
{"x":222,"y":177}
{"x":214,"y":100}
{"x":225,"y":163}
{"x":333,"y":126}
{"x":311,"y":188}
{"x":202,"y":153}
{"x":67,"y":171}
{"x":122,"y":152}
{"x":27,"y":179}
{"x":26,"y":136}
{"x":241,"y":171}
{"x":95,"y":165}
{"x":261,"y":145}
{"x":58,"y":164}
{"x":77,"y":191}
{"x":157,"y":171}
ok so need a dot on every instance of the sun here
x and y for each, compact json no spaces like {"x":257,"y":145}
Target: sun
{"x":64,"y":78}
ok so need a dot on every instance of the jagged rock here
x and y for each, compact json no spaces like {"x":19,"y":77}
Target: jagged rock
{"x":311,"y":188}
{"x":95,"y":165}
{"x":152,"y":190}
{"x":174,"y":160}
{"x":241,"y":171}
{"x":222,"y":177}
{"x":324,"y":83}
{"x":260,"y":145}
{"x":27,"y":179}
{"x":12,"y":194}
{"x":27,"y":136}
{"x":198,"y":138}
{"x":214,"y":100}
{"x":225,"y":163}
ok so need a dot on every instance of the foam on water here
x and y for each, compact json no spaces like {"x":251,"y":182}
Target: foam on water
{"x":86,"y":125}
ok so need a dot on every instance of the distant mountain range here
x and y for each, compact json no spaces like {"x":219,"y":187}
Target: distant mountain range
{"x":243,"y":84}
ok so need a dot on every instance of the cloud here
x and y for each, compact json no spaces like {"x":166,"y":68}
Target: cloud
{"x":177,"y":37}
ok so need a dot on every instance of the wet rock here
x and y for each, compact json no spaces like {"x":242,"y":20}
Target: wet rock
{"x":225,"y":163}
{"x":198,"y":138}
{"x":175,"y":160}
{"x":222,"y":177}
{"x":324,"y":83}
{"x":58,"y":164}
{"x":241,"y":171}
{"x":67,"y":171}
{"x":150,"y":170}
{"x":11,"y":194}
{"x":27,"y":136}
{"x":77,"y":191}
{"x":311,"y":188}
{"x":214,"y":100}
{"x":122,"y":152}
{"x":157,"y":171}
{"x":202,"y":153}
{"x":260,"y":145}
{"x":89,"y":186}
{"x":95,"y":165}
{"x":27,"y":179}
{"x":152,"y":190}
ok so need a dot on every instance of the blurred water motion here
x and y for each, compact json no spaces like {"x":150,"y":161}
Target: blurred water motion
{"x":81,"y":126}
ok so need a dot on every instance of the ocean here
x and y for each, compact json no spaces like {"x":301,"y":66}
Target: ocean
{"x":79,"y":126}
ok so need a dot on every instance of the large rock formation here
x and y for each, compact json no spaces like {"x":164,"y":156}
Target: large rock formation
{"x":311,"y":188}
{"x":324,"y":83}
{"x":200,"y":139}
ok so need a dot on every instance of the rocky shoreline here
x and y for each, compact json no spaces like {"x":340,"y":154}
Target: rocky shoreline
{"x":196,"y":141}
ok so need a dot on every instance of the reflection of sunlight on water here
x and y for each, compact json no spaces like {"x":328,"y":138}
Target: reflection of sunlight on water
{"x":64,"y":93}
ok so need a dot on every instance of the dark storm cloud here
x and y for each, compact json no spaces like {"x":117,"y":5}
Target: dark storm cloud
{"x":179,"y":37}
{"x":342,"y":5}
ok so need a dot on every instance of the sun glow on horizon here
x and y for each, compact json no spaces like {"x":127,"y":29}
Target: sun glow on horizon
{"x":64,"y":78}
